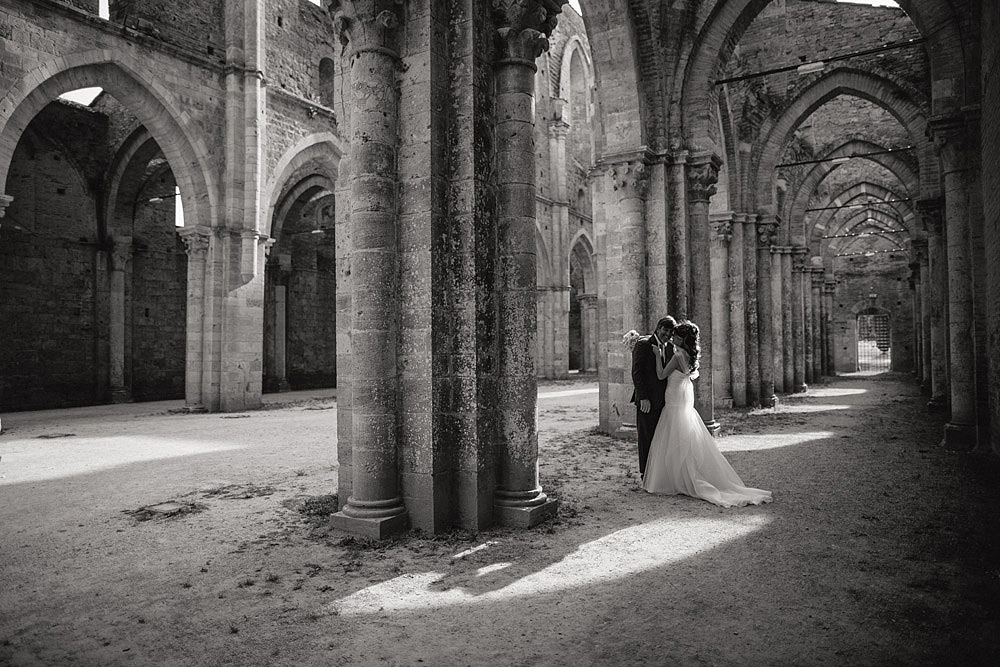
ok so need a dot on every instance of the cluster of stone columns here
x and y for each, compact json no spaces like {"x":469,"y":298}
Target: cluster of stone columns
{"x":441,"y":392}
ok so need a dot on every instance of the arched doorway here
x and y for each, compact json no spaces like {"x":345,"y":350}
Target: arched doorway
{"x":874,"y":336}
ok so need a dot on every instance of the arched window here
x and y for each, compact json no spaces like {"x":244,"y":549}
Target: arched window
{"x":327,"y":72}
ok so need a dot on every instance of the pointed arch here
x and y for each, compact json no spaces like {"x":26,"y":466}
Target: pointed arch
{"x":139,"y":89}
{"x":323,"y":149}
{"x":843,"y":81}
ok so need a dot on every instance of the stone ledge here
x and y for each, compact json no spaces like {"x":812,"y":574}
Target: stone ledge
{"x":526,"y":517}
{"x":378,"y":529}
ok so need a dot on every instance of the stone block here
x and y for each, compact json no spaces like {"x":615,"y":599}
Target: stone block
{"x":526,"y":517}
{"x":377,"y":529}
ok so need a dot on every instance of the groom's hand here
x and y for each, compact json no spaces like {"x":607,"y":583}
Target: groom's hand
{"x":644,"y":405}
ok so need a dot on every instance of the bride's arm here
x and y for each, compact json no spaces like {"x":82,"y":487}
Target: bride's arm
{"x":663,"y":371}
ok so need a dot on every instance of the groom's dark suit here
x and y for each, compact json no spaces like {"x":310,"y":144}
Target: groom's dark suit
{"x":648,"y":387}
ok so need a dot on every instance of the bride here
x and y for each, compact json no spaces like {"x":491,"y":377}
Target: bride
{"x":683,"y":457}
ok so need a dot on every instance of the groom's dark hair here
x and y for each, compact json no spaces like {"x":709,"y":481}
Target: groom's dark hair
{"x":668,"y":322}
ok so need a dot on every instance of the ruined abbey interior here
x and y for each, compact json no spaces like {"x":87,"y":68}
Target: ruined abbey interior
{"x":431,"y":204}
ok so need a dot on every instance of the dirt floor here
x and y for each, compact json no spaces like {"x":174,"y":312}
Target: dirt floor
{"x":137,"y":535}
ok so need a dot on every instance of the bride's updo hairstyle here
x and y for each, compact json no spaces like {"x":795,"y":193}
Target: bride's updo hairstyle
{"x":690,"y":341}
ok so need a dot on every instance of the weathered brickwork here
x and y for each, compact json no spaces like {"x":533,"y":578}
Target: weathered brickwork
{"x":991,"y":204}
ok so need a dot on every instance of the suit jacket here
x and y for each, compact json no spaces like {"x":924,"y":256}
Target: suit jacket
{"x":644,"y":380}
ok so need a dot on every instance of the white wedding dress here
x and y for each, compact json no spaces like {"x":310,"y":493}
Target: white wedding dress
{"x":683,"y":457}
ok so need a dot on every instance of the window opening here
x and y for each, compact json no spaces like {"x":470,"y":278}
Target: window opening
{"x":874,"y":349}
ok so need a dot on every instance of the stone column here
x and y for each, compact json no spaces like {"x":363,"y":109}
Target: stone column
{"x":121,"y":255}
{"x":949,"y":137}
{"x":816,"y":298}
{"x":630,"y":181}
{"x":559,"y":238}
{"x":678,"y":248}
{"x":916,"y":287}
{"x":588,"y":323}
{"x":787,"y":325}
{"x":196,"y":241}
{"x":722,"y":233}
{"x":829,"y":351}
{"x":702,"y":175}
{"x":751,"y":295}
{"x":931,"y":212}
{"x":767,"y":232}
{"x":921,"y":247}
{"x":777,"y":320}
{"x":375,"y":506}
{"x":522,"y":30}
{"x":798,"y":259}
{"x":737,"y":312}
{"x":807,"y":323}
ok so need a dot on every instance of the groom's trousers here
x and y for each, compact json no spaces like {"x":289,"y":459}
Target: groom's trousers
{"x":645,"y":426}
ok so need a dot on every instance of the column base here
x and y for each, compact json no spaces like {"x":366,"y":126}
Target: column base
{"x":121,"y":395}
{"x":195,"y":409}
{"x":377,"y":528}
{"x":525,"y":517}
{"x":959,"y":437}
{"x":937,"y":404}
{"x":769,"y":402}
{"x":626,"y":432}
{"x":801,"y":388}
{"x":713,"y":427}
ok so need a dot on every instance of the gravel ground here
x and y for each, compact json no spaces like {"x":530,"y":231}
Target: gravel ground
{"x":135,"y":535}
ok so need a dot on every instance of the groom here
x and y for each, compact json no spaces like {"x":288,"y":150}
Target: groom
{"x":648,"y":394}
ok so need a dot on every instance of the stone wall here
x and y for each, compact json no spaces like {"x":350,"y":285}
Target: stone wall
{"x":991,"y":202}
{"x":885,"y":275}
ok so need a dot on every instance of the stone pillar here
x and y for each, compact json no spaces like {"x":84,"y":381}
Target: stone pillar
{"x":559,"y":238}
{"x":702,"y":175}
{"x":722,"y":233}
{"x":917,"y":247}
{"x":787,"y":325}
{"x":751,"y":295}
{"x":522,"y":30}
{"x":629,"y":180}
{"x":375,"y":506}
{"x":196,"y":241}
{"x":737,"y":312}
{"x":807,"y":322}
{"x":816,"y":298}
{"x":678,"y":248}
{"x":925,"y":319}
{"x":777,"y":320}
{"x":949,"y":137}
{"x":798,"y":259}
{"x":121,"y":255}
{"x":829,"y":350}
{"x":767,"y":232}
{"x":931,"y":212}
{"x":588,"y":322}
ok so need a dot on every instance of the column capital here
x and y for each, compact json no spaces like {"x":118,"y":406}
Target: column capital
{"x":919,"y":247}
{"x":818,"y":276}
{"x":722,"y":230}
{"x":950,"y":138}
{"x":5,"y":201}
{"x":799,"y":257}
{"x":830,"y":285}
{"x":196,"y":240}
{"x":558,"y":128}
{"x":932,"y":215}
{"x":121,"y":254}
{"x":629,"y":178}
{"x":702,"y":175}
{"x":767,"y":230}
{"x":523,"y":28}
{"x":368,"y":25}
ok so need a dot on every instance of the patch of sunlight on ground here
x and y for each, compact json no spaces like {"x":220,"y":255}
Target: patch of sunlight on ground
{"x":818,"y":407}
{"x":826,"y":392}
{"x":622,"y":554}
{"x":747,"y":443}
{"x":568,"y":392}
{"x":35,"y":460}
